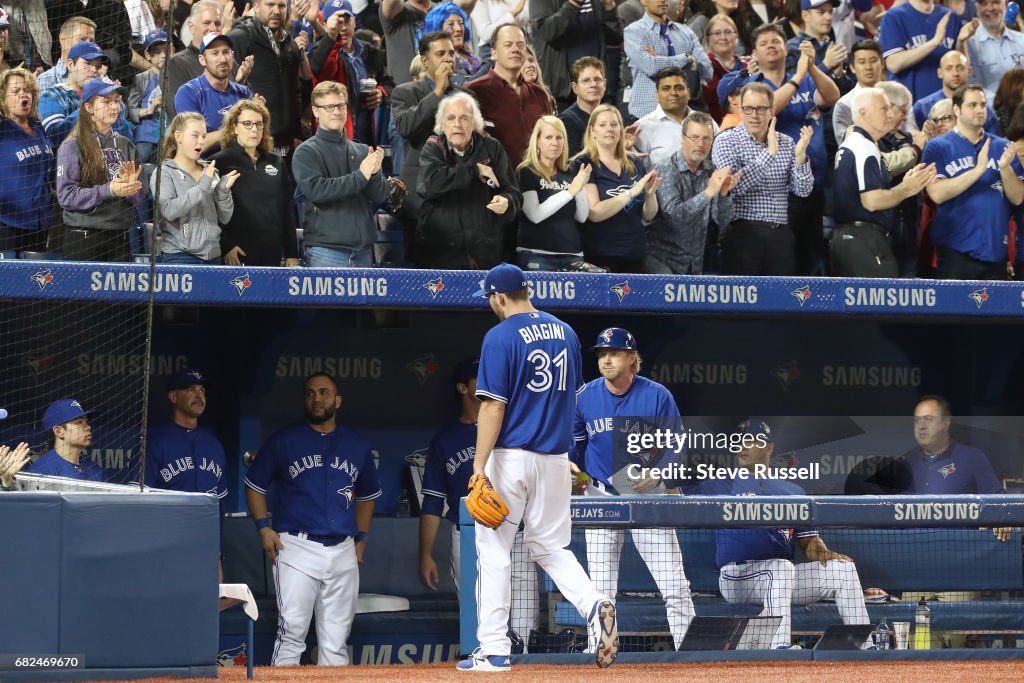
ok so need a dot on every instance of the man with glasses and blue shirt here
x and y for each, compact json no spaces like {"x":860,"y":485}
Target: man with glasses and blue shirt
{"x":340,"y":181}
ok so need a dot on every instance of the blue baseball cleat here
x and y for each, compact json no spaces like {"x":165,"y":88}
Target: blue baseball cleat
{"x":485,"y":663}
{"x":606,"y":630}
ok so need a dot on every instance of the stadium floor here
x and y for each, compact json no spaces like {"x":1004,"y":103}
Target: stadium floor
{"x":742,"y":672}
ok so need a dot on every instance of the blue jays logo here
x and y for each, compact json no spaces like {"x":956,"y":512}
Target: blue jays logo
{"x":417,"y":458}
{"x":234,"y":656}
{"x":37,"y":363}
{"x":43,"y":278}
{"x":423,"y":368}
{"x":802,"y":294}
{"x":241,"y":283}
{"x":606,"y":336}
{"x":787,"y":373}
{"x":621,"y":290}
{"x":947,"y":470}
{"x":434,"y":287}
{"x":979,"y":296}
{"x":349,"y":494}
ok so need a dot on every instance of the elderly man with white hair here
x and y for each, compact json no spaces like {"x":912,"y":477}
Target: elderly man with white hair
{"x":864,"y":197}
{"x":469,"y":191}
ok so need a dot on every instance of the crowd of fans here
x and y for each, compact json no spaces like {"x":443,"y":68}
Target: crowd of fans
{"x":844,"y":137}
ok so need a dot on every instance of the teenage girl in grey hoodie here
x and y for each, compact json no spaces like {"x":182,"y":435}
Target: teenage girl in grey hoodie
{"x":193,"y":199}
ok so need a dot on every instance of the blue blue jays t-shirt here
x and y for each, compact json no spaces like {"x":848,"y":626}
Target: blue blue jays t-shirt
{"x":743,"y":545}
{"x":198,"y":95}
{"x":531,"y":362}
{"x":180,"y":459}
{"x":318,"y":477}
{"x":977,"y":221}
{"x":923,"y":107}
{"x":958,"y":469}
{"x":448,"y":469}
{"x":803,"y":111}
{"x":596,"y":413}
{"x":26,"y":166}
{"x":904,"y":28}
{"x":52,"y":464}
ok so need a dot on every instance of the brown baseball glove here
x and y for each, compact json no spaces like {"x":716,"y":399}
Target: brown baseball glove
{"x":484,"y":503}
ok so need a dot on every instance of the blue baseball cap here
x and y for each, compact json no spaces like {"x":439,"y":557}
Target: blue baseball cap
{"x":466,"y":370}
{"x":87,"y":50}
{"x":730,"y":83}
{"x":101,"y":86}
{"x":615,"y":338}
{"x":153,"y":37}
{"x":337,"y":6}
{"x":756,"y":428}
{"x":503,"y":278}
{"x":4,"y":20}
{"x":185,"y":378}
{"x":65,"y":410}
{"x":811,"y":4}
{"x":210,"y":38}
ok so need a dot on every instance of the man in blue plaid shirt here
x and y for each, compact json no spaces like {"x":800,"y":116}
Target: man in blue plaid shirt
{"x":759,"y":240}
{"x":653,"y":43}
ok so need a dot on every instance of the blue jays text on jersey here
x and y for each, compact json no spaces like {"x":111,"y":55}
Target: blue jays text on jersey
{"x":182,"y":459}
{"x":448,"y":469}
{"x":532,"y":363}
{"x":316,"y":477}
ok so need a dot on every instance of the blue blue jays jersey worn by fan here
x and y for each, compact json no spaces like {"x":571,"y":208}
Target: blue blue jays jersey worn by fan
{"x":319,"y":478}
{"x":448,"y":469}
{"x":540,"y":403}
{"x":26,"y":164}
{"x":181,"y":459}
{"x":958,"y":469}
{"x":52,"y":464}
{"x":904,"y":28}
{"x":743,"y":545}
{"x":596,"y":410}
{"x":198,"y":95}
{"x":977,"y":221}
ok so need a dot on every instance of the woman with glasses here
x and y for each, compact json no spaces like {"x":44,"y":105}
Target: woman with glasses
{"x":620,"y":195}
{"x":553,"y":202}
{"x":721,"y":39}
{"x":262,"y":227}
{"x":192,"y":198}
{"x":942,"y":118}
{"x":743,"y":18}
{"x":450,"y":18}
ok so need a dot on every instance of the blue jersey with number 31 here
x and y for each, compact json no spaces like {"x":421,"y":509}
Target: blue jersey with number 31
{"x":531,"y":362}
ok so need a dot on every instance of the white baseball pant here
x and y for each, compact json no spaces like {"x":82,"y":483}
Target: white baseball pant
{"x":536,"y":488}
{"x":779,"y":584}
{"x":313,"y":579}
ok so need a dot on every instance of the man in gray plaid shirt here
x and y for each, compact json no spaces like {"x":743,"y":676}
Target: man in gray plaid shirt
{"x":759,"y":240}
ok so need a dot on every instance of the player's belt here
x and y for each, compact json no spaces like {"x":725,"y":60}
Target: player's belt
{"x":326,"y":541}
{"x":605,"y":488}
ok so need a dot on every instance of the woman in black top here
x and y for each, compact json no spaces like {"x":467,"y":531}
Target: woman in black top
{"x":262,"y":228}
{"x":553,"y":201}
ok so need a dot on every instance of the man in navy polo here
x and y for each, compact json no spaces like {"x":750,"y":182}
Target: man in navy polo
{"x":212,"y":93}
{"x":940,"y":465}
{"x":70,"y":435}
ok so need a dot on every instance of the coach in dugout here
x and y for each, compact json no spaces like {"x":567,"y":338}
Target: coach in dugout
{"x":864,"y":199}
{"x":70,"y":434}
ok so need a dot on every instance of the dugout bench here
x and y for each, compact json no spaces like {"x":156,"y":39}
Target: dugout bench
{"x":898,"y":560}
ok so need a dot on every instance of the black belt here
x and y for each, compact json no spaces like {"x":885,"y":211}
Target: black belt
{"x":764,"y":224}
{"x":868,"y":225}
{"x":326,"y":541}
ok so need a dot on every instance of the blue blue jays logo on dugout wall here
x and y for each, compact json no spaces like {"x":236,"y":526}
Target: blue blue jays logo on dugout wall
{"x":417,"y":458}
{"x":621,"y":290}
{"x":435,"y":287}
{"x":241,"y":283}
{"x":802,"y":294}
{"x":423,"y":367}
{"x":235,"y":656}
{"x":979,"y":296}
{"x":786,"y":374}
{"x":43,"y":278}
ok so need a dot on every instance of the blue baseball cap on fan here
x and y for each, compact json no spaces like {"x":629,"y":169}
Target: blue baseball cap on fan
{"x":100,"y":86}
{"x":503,"y":278}
{"x":756,"y":428}
{"x":615,"y":338}
{"x":65,"y":410}
{"x":211,"y":38}
{"x":185,"y":378}
{"x":87,"y":50}
{"x":333,"y":6}
{"x":153,"y":37}
{"x":730,"y":83}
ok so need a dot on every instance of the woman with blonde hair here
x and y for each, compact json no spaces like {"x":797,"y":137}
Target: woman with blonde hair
{"x":26,"y":165}
{"x":620,"y":196}
{"x":553,"y":201}
{"x":262,"y":229}
{"x":193,"y":199}
{"x":721,"y":39}
{"x":532,"y":73}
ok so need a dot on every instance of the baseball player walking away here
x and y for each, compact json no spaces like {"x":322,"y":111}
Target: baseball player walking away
{"x":70,"y":434}
{"x":326,"y":484}
{"x":530,"y":373}
{"x":756,"y":565}
{"x":181,"y":455}
{"x":445,"y":480}
{"x":620,"y":393}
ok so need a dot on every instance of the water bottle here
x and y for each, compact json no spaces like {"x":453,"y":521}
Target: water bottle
{"x":403,"y":508}
{"x":922,"y":626}
{"x":1012,"y":11}
{"x":882,"y":636}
